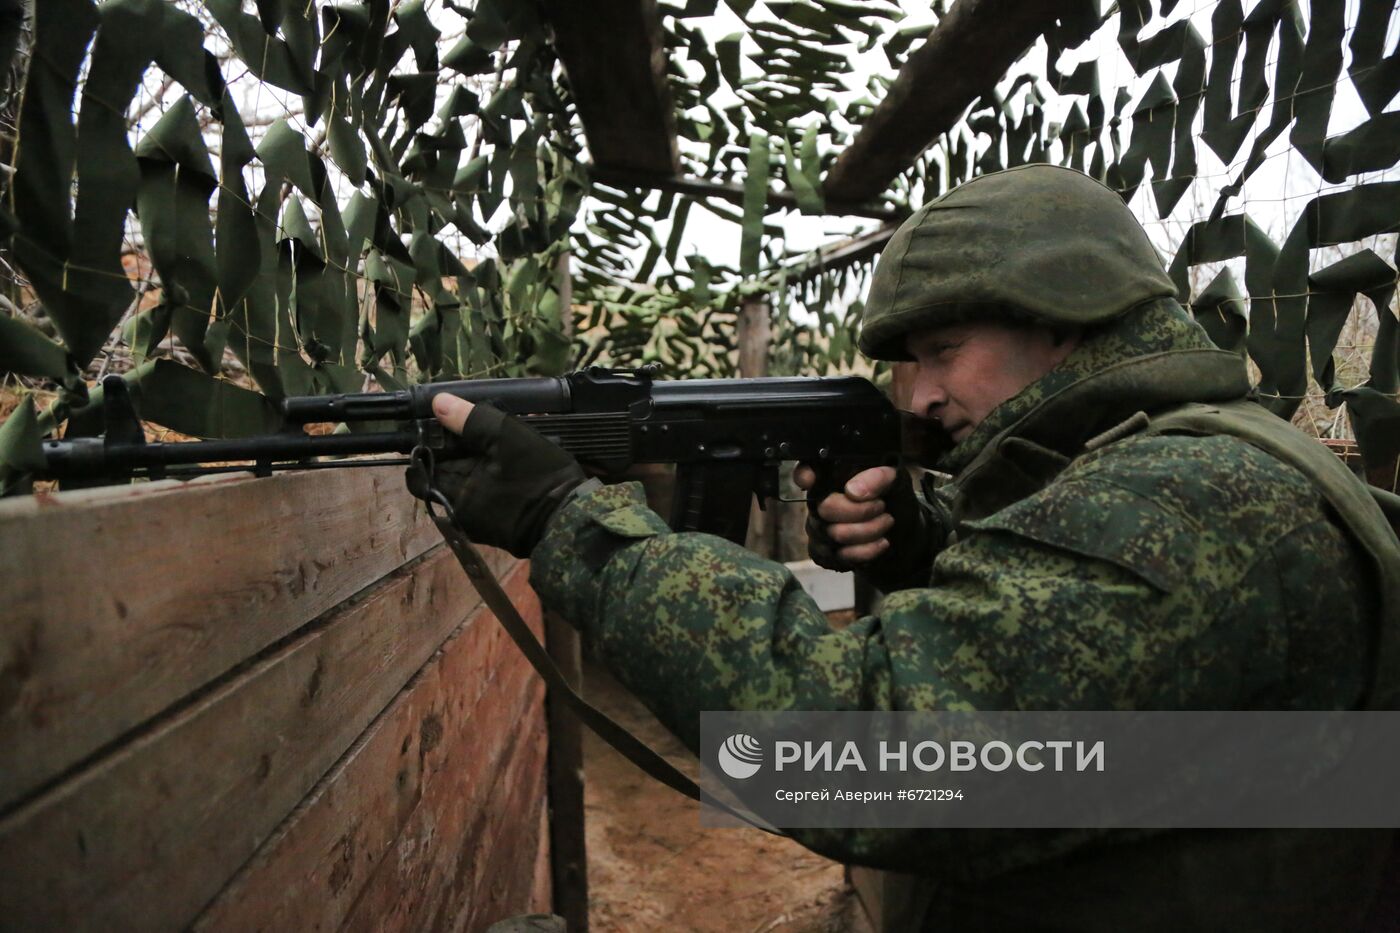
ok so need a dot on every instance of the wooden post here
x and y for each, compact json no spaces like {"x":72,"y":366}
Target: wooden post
{"x":755,"y":341}
{"x":564,"y":283}
{"x":568,"y":851}
{"x":755,"y":336}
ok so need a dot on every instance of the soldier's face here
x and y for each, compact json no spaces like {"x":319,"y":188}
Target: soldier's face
{"x":966,"y":370}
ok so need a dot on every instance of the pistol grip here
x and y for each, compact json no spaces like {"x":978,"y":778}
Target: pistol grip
{"x":832,"y":476}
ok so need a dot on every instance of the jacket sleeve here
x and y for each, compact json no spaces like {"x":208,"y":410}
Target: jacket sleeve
{"x":691,"y":622}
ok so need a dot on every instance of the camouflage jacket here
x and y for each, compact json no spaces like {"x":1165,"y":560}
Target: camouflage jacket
{"x":1081,"y":572}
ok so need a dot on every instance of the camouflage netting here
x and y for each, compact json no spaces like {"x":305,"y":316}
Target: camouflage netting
{"x":306,"y":264}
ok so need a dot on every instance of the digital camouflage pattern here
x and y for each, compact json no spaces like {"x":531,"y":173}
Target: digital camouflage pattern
{"x":1152,"y":572}
{"x":1046,"y":240}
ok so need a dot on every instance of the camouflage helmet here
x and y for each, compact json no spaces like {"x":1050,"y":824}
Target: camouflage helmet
{"x":1037,"y":242}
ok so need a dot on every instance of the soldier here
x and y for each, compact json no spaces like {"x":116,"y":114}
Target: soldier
{"x":1124,"y":532}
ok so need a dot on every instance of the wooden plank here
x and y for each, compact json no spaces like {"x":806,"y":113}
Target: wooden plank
{"x":613,"y":55}
{"x":490,"y":875}
{"x":846,"y":252}
{"x":728,"y":191}
{"x":439,"y":738}
{"x":962,"y":59}
{"x":123,"y":600}
{"x":488,"y":878}
{"x":465,"y":856}
{"x":143,"y":837}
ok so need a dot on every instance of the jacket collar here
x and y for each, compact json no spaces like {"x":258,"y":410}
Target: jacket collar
{"x":1150,"y":360}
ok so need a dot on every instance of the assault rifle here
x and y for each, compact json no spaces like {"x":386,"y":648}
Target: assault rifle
{"x":725,"y":436}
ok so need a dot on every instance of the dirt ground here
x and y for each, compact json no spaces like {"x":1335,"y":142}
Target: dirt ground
{"x":652,"y":866}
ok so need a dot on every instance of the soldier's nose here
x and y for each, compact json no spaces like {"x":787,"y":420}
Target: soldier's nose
{"x":928,"y":399}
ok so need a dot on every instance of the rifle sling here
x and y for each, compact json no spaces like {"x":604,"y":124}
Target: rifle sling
{"x":608,"y":729}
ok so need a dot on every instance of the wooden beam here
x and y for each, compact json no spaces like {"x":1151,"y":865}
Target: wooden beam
{"x":727,"y":191}
{"x":613,"y":55}
{"x":846,"y":252}
{"x":963,"y":58}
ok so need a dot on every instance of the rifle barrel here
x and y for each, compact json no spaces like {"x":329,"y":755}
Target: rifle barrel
{"x":529,"y":395}
{"x":90,"y":456}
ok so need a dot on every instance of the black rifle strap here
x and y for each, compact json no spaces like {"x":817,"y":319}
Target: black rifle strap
{"x":498,"y":601}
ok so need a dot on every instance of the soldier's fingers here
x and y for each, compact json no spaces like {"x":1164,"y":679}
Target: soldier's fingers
{"x":451,"y":411}
{"x":864,"y":553}
{"x":804,"y":476}
{"x":839,"y":508}
{"x":871,"y":483}
{"x":861,"y":532}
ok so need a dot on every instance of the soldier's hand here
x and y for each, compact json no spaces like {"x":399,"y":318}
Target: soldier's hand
{"x":510,"y":479}
{"x":851,"y":526}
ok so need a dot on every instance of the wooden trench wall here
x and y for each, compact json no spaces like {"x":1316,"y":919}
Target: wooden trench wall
{"x":242,"y":704}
